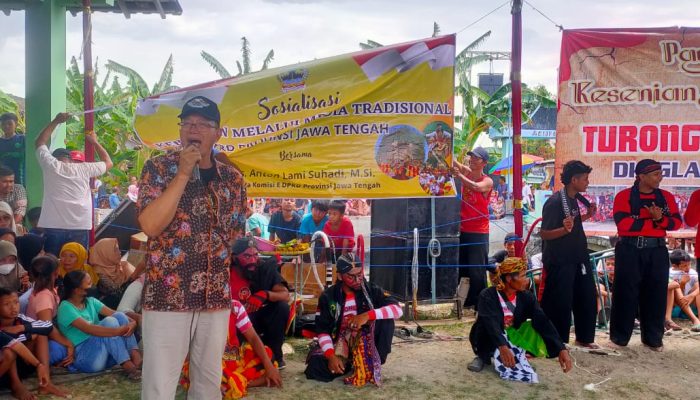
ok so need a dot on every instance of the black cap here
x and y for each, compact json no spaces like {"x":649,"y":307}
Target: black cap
{"x":61,"y":153}
{"x":202,"y":106}
{"x":646,"y":166}
{"x":480,"y":152}
{"x":243,"y":244}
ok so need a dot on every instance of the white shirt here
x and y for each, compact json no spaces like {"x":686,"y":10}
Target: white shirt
{"x":676,"y":275}
{"x":67,"y":202}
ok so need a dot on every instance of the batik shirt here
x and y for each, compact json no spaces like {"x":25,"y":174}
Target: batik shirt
{"x":187,"y":266}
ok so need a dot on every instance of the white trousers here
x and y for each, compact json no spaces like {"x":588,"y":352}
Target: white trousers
{"x":167,"y":339}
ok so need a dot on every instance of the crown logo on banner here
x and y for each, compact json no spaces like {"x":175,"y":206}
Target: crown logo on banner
{"x":293,"y":80}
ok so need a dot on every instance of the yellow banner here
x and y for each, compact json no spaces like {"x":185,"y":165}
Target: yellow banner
{"x":372,"y":124}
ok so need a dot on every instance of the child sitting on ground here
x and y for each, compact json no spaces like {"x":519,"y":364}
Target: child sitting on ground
{"x":683,"y":291}
{"x":11,"y":348}
{"x":34,"y":335}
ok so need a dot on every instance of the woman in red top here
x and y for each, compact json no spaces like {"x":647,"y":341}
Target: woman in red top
{"x":474,"y":228}
{"x":339,"y":228}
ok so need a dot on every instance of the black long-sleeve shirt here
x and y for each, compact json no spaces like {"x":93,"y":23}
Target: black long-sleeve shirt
{"x":490,"y":318}
{"x":31,"y":327}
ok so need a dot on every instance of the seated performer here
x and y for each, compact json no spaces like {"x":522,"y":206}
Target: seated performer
{"x":244,"y":364}
{"x":355,"y":324}
{"x":502,"y":329}
{"x":258,"y":285}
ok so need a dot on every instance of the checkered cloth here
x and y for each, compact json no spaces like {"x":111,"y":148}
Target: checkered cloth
{"x":522,"y":372}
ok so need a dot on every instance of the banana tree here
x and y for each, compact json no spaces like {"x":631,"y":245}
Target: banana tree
{"x":114,"y":124}
{"x":244,"y":66}
{"x":481,"y":111}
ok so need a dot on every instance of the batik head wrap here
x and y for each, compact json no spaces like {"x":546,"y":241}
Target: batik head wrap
{"x":509,"y":266}
{"x":647,"y":166}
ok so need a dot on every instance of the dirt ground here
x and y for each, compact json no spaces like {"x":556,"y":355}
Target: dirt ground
{"x":437,"y":370}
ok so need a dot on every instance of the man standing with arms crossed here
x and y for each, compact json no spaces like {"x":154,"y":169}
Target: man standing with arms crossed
{"x":643,"y":214}
{"x":191,"y":207}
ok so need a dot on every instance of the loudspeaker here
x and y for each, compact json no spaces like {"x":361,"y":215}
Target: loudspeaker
{"x":390,"y":266}
{"x":121,"y":223}
{"x":400,"y":216}
{"x":489,"y":83}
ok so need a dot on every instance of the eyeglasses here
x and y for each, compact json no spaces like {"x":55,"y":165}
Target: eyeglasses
{"x":196,"y":125}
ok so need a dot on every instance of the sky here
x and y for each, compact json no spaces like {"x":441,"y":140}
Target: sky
{"x":302,"y":30}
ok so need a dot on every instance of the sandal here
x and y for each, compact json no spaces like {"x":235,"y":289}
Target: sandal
{"x":423,"y":333}
{"x":672,"y":326}
{"x":695,"y":328}
{"x":403,"y":333}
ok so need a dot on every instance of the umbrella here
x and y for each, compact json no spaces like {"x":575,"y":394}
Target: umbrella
{"x":528,"y":161}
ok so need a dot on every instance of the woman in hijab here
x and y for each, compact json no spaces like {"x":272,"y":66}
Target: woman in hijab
{"x":509,"y":323}
{"x":12,"y":275}
{"x":73,"y":257}
{"x":7,"y":219}
{"x":115,"y":274}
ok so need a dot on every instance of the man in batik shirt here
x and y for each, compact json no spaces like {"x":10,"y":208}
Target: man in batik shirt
{"x":192,"y":207}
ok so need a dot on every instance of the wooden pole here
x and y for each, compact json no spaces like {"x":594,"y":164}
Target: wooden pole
{"x":88,"y":93}
{"x":516,"y":90}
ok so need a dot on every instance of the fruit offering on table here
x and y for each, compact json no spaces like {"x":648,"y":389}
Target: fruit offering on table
{"x":292,"y":246}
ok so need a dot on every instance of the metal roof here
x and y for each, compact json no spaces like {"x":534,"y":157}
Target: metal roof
{"x":126,"y":7}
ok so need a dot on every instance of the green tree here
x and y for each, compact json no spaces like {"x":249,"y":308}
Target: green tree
{"x":138,"y":86}
{"x":244,"y":66}
{"x":113,"y":125}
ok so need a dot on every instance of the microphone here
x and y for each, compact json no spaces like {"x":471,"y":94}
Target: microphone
{"x":195,"y":173}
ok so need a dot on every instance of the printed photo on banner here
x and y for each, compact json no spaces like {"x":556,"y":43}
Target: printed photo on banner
{"x":401,"y":152}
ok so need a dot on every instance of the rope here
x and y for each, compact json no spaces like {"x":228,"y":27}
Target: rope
{"x":482,"y":17}
{"x":561,"y":27}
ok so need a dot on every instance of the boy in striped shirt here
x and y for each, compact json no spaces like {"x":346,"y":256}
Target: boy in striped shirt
{"x":32,"y":334}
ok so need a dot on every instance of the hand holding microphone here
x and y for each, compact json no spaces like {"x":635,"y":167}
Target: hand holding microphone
{"x":189,"y":161}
